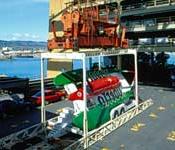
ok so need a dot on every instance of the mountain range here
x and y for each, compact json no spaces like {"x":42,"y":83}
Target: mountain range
{"x":23,"y":45}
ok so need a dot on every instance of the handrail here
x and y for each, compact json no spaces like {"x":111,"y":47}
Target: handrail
{"x":147,"y":4}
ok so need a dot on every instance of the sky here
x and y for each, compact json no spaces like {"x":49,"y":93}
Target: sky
{"x":24,"y":20}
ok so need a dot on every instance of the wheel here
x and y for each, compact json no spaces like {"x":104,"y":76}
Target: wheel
{"x":116,"y":114}
{"x":122,"y":111}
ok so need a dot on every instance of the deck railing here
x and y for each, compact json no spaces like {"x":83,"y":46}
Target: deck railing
{"x":146,"y":4}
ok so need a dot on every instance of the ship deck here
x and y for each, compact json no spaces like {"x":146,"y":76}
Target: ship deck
{"x":150,"y":130}
{"x":153,"y":129}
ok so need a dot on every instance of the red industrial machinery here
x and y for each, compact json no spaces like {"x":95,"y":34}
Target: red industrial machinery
{"x":97,"y":86}
{"x":89,"y":27}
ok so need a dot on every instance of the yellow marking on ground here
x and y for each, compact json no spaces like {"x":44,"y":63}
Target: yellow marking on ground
{"x":171,"y":136}
{"x":161,"y":108}
{"x":137,"y":127}
{"x":13,"y":125}
{"x":153,"y":115}
{"x":105,"y":148}
{"x":59,"y":110}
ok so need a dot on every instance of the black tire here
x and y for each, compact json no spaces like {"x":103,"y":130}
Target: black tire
{"x":122,"y":111}
{"x":116,"y":114}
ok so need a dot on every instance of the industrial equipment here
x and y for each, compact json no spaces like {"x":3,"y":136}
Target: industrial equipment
{"x":89,"y":27}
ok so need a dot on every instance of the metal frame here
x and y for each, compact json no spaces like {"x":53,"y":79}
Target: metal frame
{"x":8,"y":141}
{"x":107,"y":128}
{"x":82,"y":57}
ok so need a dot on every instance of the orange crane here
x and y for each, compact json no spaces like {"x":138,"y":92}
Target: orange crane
{"x":89,"y":27}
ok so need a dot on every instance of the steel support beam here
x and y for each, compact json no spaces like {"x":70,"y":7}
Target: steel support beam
{"x":136,"y":78}
{"x":85,"y":120}
{"x":43,"y":111}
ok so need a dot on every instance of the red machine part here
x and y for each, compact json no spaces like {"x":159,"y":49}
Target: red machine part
{"x":78,"y":95}
{"x":88,"y":29}
{"x":97,"y":86}
{"x":104,"y":84}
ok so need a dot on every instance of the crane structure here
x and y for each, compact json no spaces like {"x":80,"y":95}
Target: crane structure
{"x":89,"y":26}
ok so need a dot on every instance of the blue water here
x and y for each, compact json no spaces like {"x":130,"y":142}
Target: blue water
{"x":22,"y":67}
{"x":27,"y":67}
{"x":30,"y":67}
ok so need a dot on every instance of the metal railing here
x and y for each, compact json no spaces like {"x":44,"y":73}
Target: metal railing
{"x":152,"y":21}
{"x":10,"y":140}
{"x":146,"y":4}
{"x":152,"y":45}
{"x":35,"y":85}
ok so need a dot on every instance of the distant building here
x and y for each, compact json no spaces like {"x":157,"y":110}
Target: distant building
{"x":7,"y":48}
{"x":150,"y":24}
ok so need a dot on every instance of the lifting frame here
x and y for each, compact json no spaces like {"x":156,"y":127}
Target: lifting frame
{"x":82,"y":57}
{"x":93,"y":136}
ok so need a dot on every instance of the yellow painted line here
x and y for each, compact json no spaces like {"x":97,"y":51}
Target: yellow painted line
{"x":59,"y":110}
{"x":153,"y":115}
{"x":137,"y":127}
{"x":105,"y":148}
{"x":161,"y":108}
{"x":171,"y":136}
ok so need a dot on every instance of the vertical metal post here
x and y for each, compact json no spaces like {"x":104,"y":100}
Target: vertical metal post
{"x":119,"y":62}
{"x":169,"y":1}
{"x":90,"y":63}
{"x":155,"y":3}
{"x":85,"y":121}
{"x":43,"y":113}
{"x":136,"y":77}
{"x":99,"y":62}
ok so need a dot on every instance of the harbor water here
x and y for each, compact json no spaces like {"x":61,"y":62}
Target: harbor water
{"x":30,"y":67}
{"x":21,"y":67}
{"x":26,"y":67}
